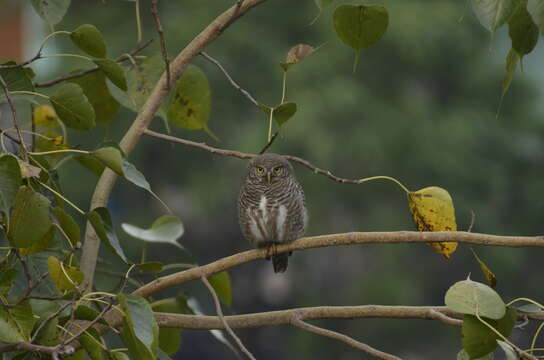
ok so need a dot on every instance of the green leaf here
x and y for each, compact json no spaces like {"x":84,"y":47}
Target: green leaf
{"x":508,"y":350}
{"x":511,"y":64}
{"x":7,"y":277}
{"x":191,"y":103}
{"x":84,"y":312}
{"x":536,"y":9}
{"x":140,"y":329}
{"x":64,"y":276}
{"x":10,"y":181}
{"x":296,"y":54}
{"x":78,"y":355}
{"x":51,"y":11}
{"x":529,"y":308}
{"x":360,"y":26}
{"x":111,"y":157}
{"x":141,"y":79}
{"x":91,"y":341}
{"x":91,"y":163}
{"x":471,"y":297}
{"x":89,"y":39}
{"x":151,"y":267}
{"x":23,"y":316}
{"x":170,"y":339}
{"x":29,"y":221}
{"x":73,"y":107}
{"x":221,"y":284}
{"x":49,"y":334}
{"x":488,"y":274}
{"x":68,"y":225}
{"x":16,"y":79}
{"x":100,"y":219}
{"x":478,"y":339}
{"x":166,"y":229}
{"x":282,"y":112}
{"x":492,"y":14}
{"x":523,"y":32}
{"x":9,"y":329}
{"x":41,"y":245}
{"x":95,"y":89}
{"x":113,"y":71}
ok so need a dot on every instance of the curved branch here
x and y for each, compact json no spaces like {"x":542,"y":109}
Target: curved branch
{"x":144,"y":117}
{"x":283,"y":317}
{"x":351,"y":238}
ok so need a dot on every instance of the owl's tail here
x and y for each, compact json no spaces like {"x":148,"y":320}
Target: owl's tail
{"x":280,"y":262}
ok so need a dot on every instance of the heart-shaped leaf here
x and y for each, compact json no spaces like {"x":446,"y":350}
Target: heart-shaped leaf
{"x":140,"y":329}
{"x":41,"y":245}
{"x":170,"y":339}
{"x":65,"y":277}
{"x":478,"y":339}
{"x":45,"y":116}
{"x":191,"y":103}
{"x":16,"y":79}
{"x":360,"y":26}
{"x":68,"y":225}
{"x":29,"y":221}
{"x":432,"y":210}
{"x":73,"y":107}
{"x":89,"y":39}
{"x":471,"y":297}
{"x":100,"y":219}
{"x":166,"y":229}
{"x":10,"y":181}
{"x":523,"y":31}
{"x":95,"y":89}
{"x":51,"y":11}
{"x":296,"y":54}
{"x":492,"y":14}
{"x":282,"y":113}
{"x":113,"y":71}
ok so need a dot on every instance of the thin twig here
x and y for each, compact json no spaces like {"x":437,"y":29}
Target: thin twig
{"x":225,"y":324}
{"x":268,"y":144}
{"x":298,"y":322}
{"x":155,"y":13}
{"x":89,"y":71}
{"x":437,"y":315}
{"x":14,"y":118}
{"x":13,"y":66}
{"x":242,"y":155}
{"x":30,"y":288}
{"x":25,"y":268}
{"x":229,"y":78}
{"x":88,"y":325}
{"x":43,"y":323}
{"x":472,"y":220}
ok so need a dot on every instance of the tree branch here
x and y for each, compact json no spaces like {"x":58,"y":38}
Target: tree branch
{"x":14,"y":118}
{"x":144,"y":117}
{"x":222,"y":318}
{"x":298,"y":322}
{"x":155,"y":13}
{"x":351,"y":238}
{"x":89,"y":71}
{"x":242,"y":155}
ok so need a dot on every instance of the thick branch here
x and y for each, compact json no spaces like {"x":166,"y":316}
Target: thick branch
{"x":283,"y":317}
{"x":336,"y":240}
{"x":146,"y":114}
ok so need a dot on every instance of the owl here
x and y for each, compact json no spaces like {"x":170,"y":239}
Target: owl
{"x":271,"y":205}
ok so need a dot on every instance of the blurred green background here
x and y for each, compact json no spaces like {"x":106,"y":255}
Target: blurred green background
{"x":420,"y":107}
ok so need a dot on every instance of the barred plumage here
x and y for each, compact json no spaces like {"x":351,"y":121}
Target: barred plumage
{"x":271,"y":205}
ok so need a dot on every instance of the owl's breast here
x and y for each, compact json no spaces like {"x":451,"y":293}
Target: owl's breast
{"x":267,"y":221}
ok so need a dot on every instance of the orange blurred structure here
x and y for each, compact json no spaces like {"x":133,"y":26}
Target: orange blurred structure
{"x":11,"y":32}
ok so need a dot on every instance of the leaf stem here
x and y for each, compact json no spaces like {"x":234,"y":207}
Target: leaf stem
{"x":383,"y":177}
{"x":68,"y":55}
{"x":527,"y":300}
{"x":270,"y":124}
{"x":138,"y":21}
{"x":33,"y":93}
{"x":55,"y":33}
{"x":62,"y":197}
{"x":60,"y":151}
{"x":284,"y":86}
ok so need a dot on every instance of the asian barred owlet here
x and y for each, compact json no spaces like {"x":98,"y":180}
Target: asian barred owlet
{"x":271,"y":205}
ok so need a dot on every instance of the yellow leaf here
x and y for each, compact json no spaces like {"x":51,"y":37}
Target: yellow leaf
{"x":432,"y":210}
{"x":489,"y":276}
{"x":46,"y":116}
{"x":50,"y":141}
{"x":65,"y":277}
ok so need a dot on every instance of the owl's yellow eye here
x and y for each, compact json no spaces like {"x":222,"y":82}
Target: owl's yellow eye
{"x":259,"y":170}
{"x":277,"y":170}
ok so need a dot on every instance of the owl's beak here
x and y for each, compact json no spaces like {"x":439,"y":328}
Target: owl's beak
{"x":268,"y":177}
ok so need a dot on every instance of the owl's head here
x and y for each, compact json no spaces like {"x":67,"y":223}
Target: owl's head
{"x":269,"y":168}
